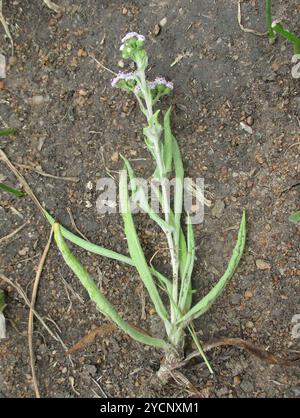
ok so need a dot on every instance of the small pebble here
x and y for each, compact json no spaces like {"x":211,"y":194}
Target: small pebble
{"x":163,"y":22}
{"x":156,"y":30}
{"x":12,"y":61}
{"x":263,"y":265}
{"x":248,"y":294}
{"x":23,"y":251}
{"x":81,"y":53}
{"x":38,"y":100}
{"x":250,"y":120}
{"x":218,"y":209}
{"x":115,"y":156}
{"x":82,"y":92}
{"x":246,"y":128}
{"x":236,"y":380}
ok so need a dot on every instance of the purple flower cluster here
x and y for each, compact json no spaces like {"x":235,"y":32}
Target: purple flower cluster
{"x":121,"y":76}
{"x":161,"y":81}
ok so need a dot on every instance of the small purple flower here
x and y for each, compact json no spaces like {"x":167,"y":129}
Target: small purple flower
{"x":133,"y":35}
{"x":137,"y":89}
{"x":122,"y":76}
{"x":161,"y":81}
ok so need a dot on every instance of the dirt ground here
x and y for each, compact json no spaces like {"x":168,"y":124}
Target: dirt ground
{"x":222,"y":76}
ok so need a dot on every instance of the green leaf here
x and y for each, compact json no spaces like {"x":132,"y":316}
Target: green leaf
{"x":7,"y":131}
{"x":2,"y":300}
{"x":138,"y":196}
{"x":290,"y":36}
{"x":8,"y":189}
{"x":295,"y":217}
{"x":89,"y":246}
{"x":135,"y":249}
{"x":103,"y":305}
{"x":185,"y":297}
{"x":2,"y":317}
{"x":204,"y":304}
{"x":178,"y":201}
{"x":163,"y":280}
{"x":168,"y":142}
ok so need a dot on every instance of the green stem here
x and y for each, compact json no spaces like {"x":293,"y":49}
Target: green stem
{"x":271,"y":33}
{"x":89,"y":246}
{"x":290,"y":36}
{"x":2,"y":300}
{"x":154,"y":137}
{"x":104,"y":306}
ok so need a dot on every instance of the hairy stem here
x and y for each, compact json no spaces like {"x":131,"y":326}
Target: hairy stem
{"x":154,"y":137}
{"x":271,"y":33}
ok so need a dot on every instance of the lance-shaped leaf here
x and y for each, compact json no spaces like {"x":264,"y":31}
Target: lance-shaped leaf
{"x":168,"y":142}
{"x":8,"y":189}
{"x":185,"y":296}
{"x":2,"y":317}
{"x":139,"y":197}
{"x":102,"y":303}
{"x":204,"y":304}
{"x":135,"y":249}
{"x":7,"y":131}
{"x":295,"y":217}
{"x":89,"y":246}
{"x":178,"y":201}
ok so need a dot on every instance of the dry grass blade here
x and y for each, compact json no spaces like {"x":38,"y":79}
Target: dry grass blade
{"x":30,"y":318}
{"x":13,"y":233}
{"x":52,"y":5}
{"x":5,"y":26}
{"x":90,"y":337}
{"x":21,"y":292}
{"x":21,"y":179}
{"x":74,"y":224}
{"x":259,"y":352}
{"x":247,"y":30}
{"x":44,"y":174}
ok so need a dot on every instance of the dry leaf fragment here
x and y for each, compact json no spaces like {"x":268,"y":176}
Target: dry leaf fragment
{"x":102,"y":330}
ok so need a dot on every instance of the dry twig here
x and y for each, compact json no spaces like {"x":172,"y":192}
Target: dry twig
{"x":11,"y":234}
{"x":43,"y":173}
{"x":21,"y":292}
{"x":30,"y":319}
{"x":247,"y":30}
{"x":52,"y":6}
{"x":6,"y":29}
{"x":74,"y":225}
{"x":21,"y":179}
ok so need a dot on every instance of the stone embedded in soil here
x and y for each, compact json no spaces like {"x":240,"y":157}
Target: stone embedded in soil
{"x":263,"y":265}
{"x":218,"y":209}
{"x":23,"y":251}
{"x":248,"y":294}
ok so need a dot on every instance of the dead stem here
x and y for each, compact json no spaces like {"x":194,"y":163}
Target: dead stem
{"x":167,"y":369}
{"x":21,"y":179}
{"x":247,"y":30}
{"x":6,"y":29}
{"x":52,"y":6}
{"x":21,"y":292}
{"x":13,"y":233}
{"x":30,"y":318}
